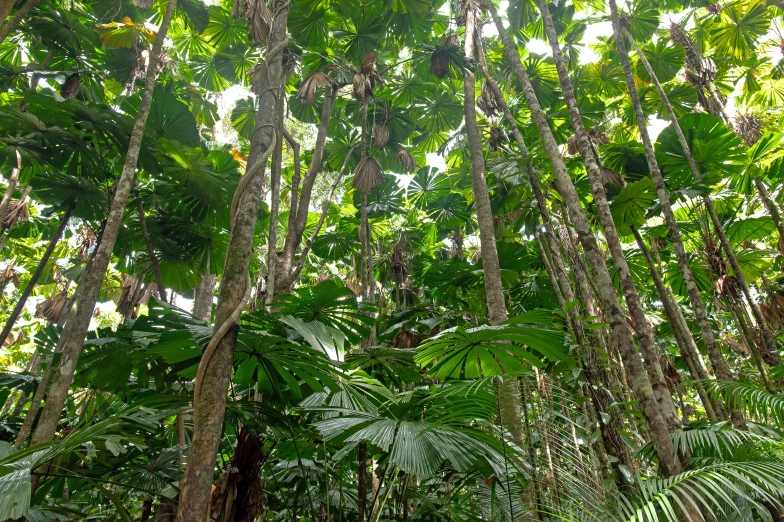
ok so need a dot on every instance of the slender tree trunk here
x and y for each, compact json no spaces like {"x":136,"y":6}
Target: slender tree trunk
{"x":37,"y":274}
{"x":156,"y":267}
{"x":298,"y":216}
{"x":275,"y":177}
{"x":683,"y":336}
{"x":718,"y":362}
{"x":73,"y":334}
{"x":620,"y":331}
{"x":769,"y":340}
{"x":767,"y":201}
{"x":362,"y":482}
{"x":746,"y":335}
{"x":5,"y":9}
{"x":565,"y":292}
{"x":216,"y":365}
{"x":650,"y":350}
{"x":508,"y":391}
{"x":12,"y":23}
{"x":205,"y":293}
{"x":12,"y":180}
{"x":306,"y":249}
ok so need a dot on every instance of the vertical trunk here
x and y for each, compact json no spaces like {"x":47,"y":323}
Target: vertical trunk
{"x":306,"y":249}
{"x":508,"y":391}
{"x":13,"y":179}
{"x":300,"y":203}
{"x":362,"y":483}
{"x":769,"y":340}
{"x":12,"y":23}
{"x":621,"y":334}
{"x":648,"y":345}
{"x":748,"y":337}
{"x":683,"y":336}
{"x":37,"y":274}
{"x":767,"y":201}
{"x":720,"y":367}
{"x":275,"y":176}
{"x":496,"y":307}
{"x":205,"y":292}
{"x":214,"y":374}
{"x":529,"y":445}
{"x":73,"y":333}
{"x":156,"y":267}
{"x":5,"y":9}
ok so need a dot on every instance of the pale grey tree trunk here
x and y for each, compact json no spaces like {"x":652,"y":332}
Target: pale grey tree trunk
{"x":650,"y":350}
{"x":325,"y":208}
{"x":719,"y":363}
{"x":216,"y":366}
{"x":298,"y":216}
{"x":508,"y":391}
{"x":12,"y":182}
{"x":204,"y":295}
{"x":683,"y":337}
{"x":768,"y":338}
{"x":565,"y":293}
{"x":73,"y":333}
{"x":276,"y":170}
{"x":620,"y":331}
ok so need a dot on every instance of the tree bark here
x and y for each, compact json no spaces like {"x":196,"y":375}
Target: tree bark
{"x":620,"y":331}
{"x":683,"y":336}
{"x":205,"y":292}
{"x":12,"y":181}
{"x":73,"y":333}
{"x":12,"y":23}
{"x":767,"y":337}
{"x":210,"y":407}
{"x":276,"y":171}
{"x":650,"y":350}
{"x":718,"y":362}
{"x":508,"y":391}
{"x":325,"y":208}
{"x":298,"y":216}
{"x":37,"y":274}
{"x":156,"y":267}
{"x":560,"y":278}
{"x":362,"y":482}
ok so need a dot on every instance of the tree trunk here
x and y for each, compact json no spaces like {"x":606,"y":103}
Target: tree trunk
{"x":620,"y":331}
{"x":37,"y":274}
{"x":205,"y":293}
{"x":720,"y":367}
{"x":216,"y":366}
{"x":683,"y":336}
{"x":12,"y":23}
{"x":73,"y":333}
{"x":13,"y":180}
{"x":650,"y":350}
{"x":156,"y":267}
{"x":298,"y":216}
{"x":362,"y":482}
{"x":306,"y":249}
{"x":508,"y":391}
{"x":767,"y":201}
{"x":5,"y":9}
{"x":768,"y":338}
{"x":565,"y":292}
{"x":275,"y":177}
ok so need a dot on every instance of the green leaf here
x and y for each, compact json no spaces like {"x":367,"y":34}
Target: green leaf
{"x":741,"y":24}
{"x":628,"y":208}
